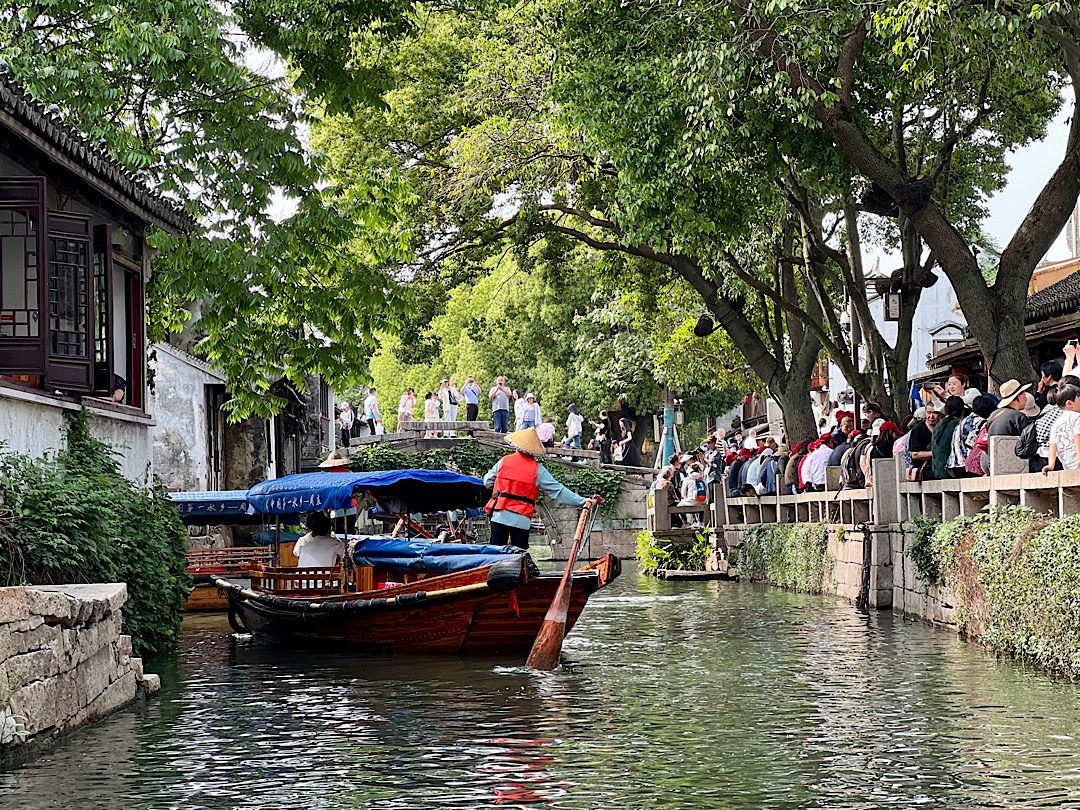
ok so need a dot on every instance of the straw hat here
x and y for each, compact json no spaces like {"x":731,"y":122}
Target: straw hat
{"x":1010,"y":390}
{"x":334,"y":460}
{"x":526,"y":441}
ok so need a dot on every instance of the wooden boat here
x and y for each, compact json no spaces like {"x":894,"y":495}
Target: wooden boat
{"x":491,"y":609}
{"x":403,"y":595}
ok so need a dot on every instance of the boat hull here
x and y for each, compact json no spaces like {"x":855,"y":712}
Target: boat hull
{"x":455,"y":614}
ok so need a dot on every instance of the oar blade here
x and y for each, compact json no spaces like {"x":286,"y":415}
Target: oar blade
{"x":547,"y":648}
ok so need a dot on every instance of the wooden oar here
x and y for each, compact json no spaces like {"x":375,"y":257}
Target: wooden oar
{"x":548,"y":645}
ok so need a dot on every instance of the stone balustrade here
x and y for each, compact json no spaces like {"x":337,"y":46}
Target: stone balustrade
{"x":63,"y":660}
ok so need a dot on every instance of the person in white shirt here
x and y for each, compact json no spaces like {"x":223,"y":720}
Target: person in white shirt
{"x":1065,"y":434}
{"x":372,"y":415}
{"x":318,"y":548}
{"x":519,"y":411}
{"x":345,"y":420}
{"x":448,"y":398}
{"x":500,"y":404}
{"x":816,"y":462}
{"x":574,"y":421}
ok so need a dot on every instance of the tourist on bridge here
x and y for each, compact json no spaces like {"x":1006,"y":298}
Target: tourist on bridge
{"x":872,"y":417}
{"x":624,"y":451}
{"x":470,"y":392}
{"x":431,"y":413}
{"x":530,"y":414}
{"x":546,"y":431}
{"x":941,"y":440}
{"x":372,"y":414}
{"x":602,"y":432}
{"x":448,"y":398}
{"x":405,"y":407}
{"x":669,"y":481}
{"x":517,"y":481}
{"x":500,"y":405}
{"x":345,"y":420}
{"x":574,"y":421}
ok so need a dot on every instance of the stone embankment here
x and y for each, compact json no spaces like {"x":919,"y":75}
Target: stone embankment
{"x":63,"y":660}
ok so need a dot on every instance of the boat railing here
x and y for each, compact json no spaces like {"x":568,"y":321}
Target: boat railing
{"x":297,"y":581}
{"x":227,"y":560}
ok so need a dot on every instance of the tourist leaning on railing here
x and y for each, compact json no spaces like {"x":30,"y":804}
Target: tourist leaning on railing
{"x":961,"y":462}
{"x":941,"y":441}
{"x":1065,"y":434}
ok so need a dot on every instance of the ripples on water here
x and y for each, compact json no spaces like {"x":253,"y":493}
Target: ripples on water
{"x":672,"y":695}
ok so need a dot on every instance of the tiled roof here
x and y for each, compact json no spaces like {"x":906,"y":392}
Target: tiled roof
{"x":24,"y":109}
{"x":1060,"y":298}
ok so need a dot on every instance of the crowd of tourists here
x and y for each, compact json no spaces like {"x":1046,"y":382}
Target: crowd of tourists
{"x":613,"y":440}
{"x":947,"y":435}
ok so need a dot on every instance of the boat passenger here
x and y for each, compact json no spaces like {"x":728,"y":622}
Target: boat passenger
{"x":318,"y":548}
{"x":517,"y":481}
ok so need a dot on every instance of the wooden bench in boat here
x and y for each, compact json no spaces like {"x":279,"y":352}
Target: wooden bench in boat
{"x":235,"y":560}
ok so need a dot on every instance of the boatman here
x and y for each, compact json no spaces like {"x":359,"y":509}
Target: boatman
{"x":517,"y":481}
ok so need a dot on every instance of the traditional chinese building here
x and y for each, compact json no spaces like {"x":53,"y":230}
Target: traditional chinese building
{"x":74,"y":264}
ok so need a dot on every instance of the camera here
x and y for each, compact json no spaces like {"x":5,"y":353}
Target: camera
{"x":1074,"y":342}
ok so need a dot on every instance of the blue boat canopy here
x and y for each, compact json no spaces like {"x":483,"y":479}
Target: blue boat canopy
{"x":397,"y":491}
{"x":210,"y":507}
{"x":420,"y":557}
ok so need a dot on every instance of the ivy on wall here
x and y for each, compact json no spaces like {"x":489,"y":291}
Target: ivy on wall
{"x":1016,"y":576}
{"x":921,"y":549}
{"x":76,"y":519}
{"x":473,"y":459}
{"x":789,"y":555}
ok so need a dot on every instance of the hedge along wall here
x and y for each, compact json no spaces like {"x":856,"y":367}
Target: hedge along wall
{"x":76,"y":519}
{"x":790,"y":555}
{"x":1016,"y":576}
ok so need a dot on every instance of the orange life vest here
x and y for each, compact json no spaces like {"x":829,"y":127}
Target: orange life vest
{"x":515,"y":486}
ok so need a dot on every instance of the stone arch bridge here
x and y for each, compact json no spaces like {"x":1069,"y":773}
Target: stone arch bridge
{"x":617,"y":534}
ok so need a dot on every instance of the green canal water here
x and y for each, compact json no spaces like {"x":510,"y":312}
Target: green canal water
{"x":705,"y":695}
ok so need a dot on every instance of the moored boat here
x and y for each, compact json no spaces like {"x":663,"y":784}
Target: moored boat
{"x":403,"y":595}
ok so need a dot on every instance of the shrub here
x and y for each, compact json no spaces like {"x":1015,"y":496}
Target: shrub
{"x":921,"y":549}
{"x":660,"y":552}
{"x":790,"y":555}
{"x":76,"y":519}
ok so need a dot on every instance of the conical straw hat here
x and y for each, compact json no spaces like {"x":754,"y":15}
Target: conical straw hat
{"x":334,"y":460}
{"x":527,"y":441}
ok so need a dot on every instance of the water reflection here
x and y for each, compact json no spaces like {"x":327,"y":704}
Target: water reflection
{"x":673,"y":695}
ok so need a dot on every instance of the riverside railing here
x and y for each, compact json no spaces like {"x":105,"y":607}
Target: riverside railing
{"x":891,"y":500}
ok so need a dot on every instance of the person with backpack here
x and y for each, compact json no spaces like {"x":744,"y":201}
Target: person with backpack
{"x":852,"y":470}
{"x":693,"y":492}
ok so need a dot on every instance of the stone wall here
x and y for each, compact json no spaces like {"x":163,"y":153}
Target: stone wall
{"x":63,"y":660}
{"x":913,"y":597}
{"x":616,"y":535}
{"x":180,"y":407}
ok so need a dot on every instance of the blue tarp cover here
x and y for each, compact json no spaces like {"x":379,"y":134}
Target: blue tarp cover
{"x":420,"y":557}
{"x":231,"y":502}
{"x":399,"y":490}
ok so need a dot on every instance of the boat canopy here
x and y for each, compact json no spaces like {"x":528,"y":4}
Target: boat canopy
{"x":419,"y":557}
{"x":398,"y":491}
{"x":199,"y":508}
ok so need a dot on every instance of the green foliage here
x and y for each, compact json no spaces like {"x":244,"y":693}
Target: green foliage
{"x":1016,"y":575}
{"x":181,"y":99}
{"x":472,"y":459}
{"x":660,"y":552}
{"x":922,"y":551}
{"x":76,"y":519}
{"x":789,"y":555}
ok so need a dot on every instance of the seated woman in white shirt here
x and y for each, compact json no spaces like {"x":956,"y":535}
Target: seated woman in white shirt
{"x":1065,"y":434}
{"x":318,"y":548}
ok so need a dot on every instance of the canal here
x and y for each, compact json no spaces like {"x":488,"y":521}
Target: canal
{"x":704,"y":695}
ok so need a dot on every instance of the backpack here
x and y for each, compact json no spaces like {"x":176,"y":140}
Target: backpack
{"x":1028,"y":446}
{"x":700,"y":493}
{"x":851,"y":471}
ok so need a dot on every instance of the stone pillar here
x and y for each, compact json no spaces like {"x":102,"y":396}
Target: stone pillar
{"x":1003,"y":459}
{"x":887,"y":507}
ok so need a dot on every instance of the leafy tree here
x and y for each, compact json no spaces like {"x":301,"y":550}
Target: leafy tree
{"x":170,"y":90}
